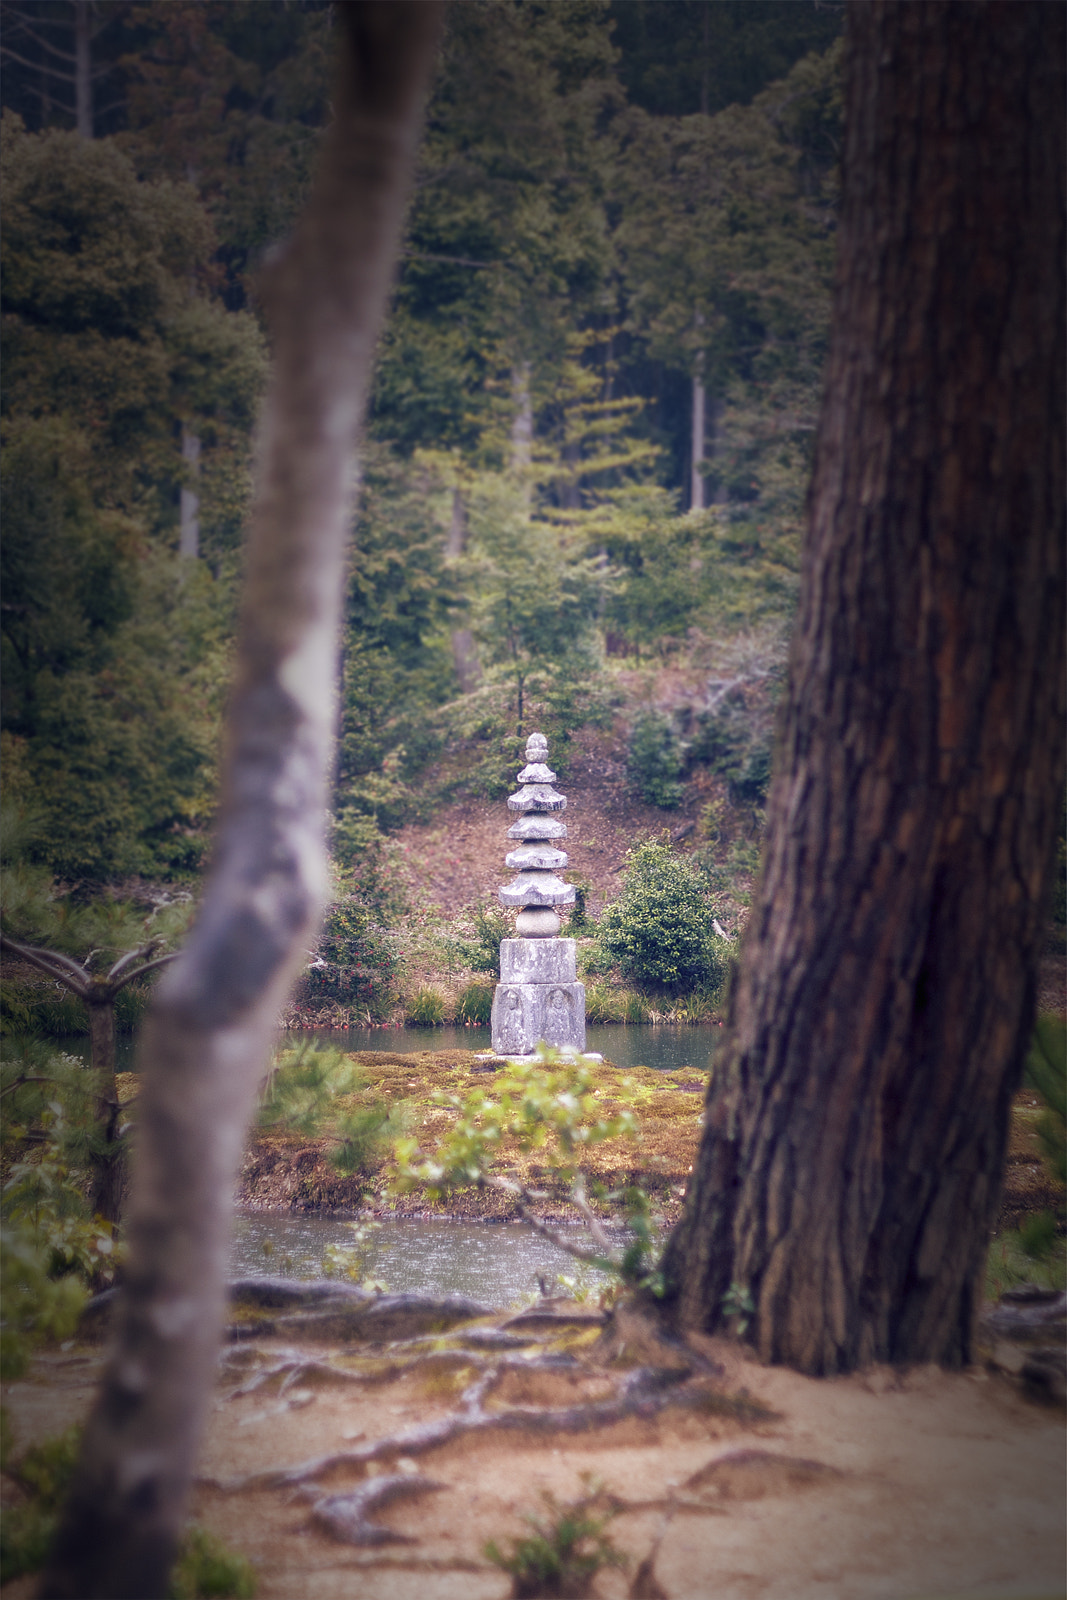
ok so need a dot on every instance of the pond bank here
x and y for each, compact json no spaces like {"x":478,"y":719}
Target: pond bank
{"x":283,"y":1171}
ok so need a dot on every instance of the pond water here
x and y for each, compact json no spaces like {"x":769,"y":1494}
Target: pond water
{"x":496,"y":1263}
{"x":664,"y":1047}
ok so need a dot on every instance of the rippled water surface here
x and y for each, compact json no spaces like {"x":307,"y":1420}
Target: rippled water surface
{"x":497,"y":1263}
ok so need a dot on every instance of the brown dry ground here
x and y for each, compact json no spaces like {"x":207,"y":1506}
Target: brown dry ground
{"x":880,"y":1486}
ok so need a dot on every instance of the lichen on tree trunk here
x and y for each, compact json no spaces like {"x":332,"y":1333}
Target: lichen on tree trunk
{"x":850,"y":1166}
{"x":206,"y":1043}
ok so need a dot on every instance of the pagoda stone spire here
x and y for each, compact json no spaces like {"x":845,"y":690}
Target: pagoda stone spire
{"x":538,"y":998}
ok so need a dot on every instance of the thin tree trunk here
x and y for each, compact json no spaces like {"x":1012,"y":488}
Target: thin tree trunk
{"x":697,"y":497}
{"x":83,"y":69}
{"x":696,"y":489}
{"x":189,"y":530}
{"x":464,"y":650}
{"x":850,"y":1168}
{"x":206,"y":1044}
{"x":107,"y":1164}
{"x":522,"y":421}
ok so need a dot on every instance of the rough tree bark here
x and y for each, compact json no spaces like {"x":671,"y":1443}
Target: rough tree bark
{"x":207,"y":1040}
{"x":856,"y":1120}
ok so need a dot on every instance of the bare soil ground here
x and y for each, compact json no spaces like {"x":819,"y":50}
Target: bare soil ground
{"x":880,"y":1486}
{"x":459,"y":857}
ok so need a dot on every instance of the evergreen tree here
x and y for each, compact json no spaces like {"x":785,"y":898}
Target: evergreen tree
{"x":112,"y":660}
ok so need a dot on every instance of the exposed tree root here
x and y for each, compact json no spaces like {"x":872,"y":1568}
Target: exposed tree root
{"x":347,"y":1516}
{"x":644,"y":1392}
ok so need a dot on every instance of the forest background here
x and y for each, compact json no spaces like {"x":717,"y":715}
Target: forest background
{"x":581,"y":494}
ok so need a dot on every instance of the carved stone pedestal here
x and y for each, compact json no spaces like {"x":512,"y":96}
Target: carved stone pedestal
{"x":538,"y":997}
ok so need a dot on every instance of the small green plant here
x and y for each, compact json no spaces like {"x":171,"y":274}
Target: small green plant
{"x":1046,"y":1072}
{"x":1031,"y":1254}
{"x":602,"y":1004}
{"x":564,"y":1551}
{"x":52,"y":1251}
{"x":475,"y":1004}
{"x":634,"y":1007}
{"x":579,"y":922}
{"x":44,"y":1471}
{"x":355,"y":960}
{"x":738,"y":1307}
{"x":207,"y":1570}
{"x":655,"y":760}
{"x":311,"y":1090}
{"x":594,"y":961}
{"x":488,"y":924}
{"x":426,"y":1008}
{"x":1038,"y":1235}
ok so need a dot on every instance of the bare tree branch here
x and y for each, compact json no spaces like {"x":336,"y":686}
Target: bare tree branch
{"x":149,"y":966}
{"x":52,"y":964}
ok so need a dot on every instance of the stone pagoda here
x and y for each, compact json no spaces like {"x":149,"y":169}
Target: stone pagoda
{"x":538,"y":997}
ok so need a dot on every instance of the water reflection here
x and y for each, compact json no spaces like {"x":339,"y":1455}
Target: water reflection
{"x":665,"y":1047}
{"x":494,"y":1263}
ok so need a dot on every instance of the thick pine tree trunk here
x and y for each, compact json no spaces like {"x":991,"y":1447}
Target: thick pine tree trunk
{"x":856,"y":1122}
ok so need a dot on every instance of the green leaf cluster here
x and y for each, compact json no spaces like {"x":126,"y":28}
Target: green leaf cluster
{"x":548,"y":1105}
{"x":655,"y":760}
{"x":113,"y":658}
{"x":318,"y":1091}
{"x":659,"y":930}
{"x":562,"y":1554}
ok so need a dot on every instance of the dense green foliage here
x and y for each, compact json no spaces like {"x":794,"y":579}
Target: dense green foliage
{"x":659,"y":930}
{"x":112,"y":658}
{"x":315,"y":1091}
{"x":656,"y":760}
{"x":612,"y":201}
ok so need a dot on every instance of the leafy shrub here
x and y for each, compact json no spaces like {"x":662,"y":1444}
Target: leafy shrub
{"x":207,"y":1570}
{"x":51,"y":1250}
{"x":475,"y":1003}
{"x":659,"y":929}
{"x":1046,"y":1071}
{"x":594,"y":961}
{"x":302,"y":1094}
{"x":579,"y":921}
{"x":355,"y":961}
{"x":738,"y":746}
{"x":655,"y":760}
{"x":425,"y":1009}
{"x":44,"y":1471}
{"x":489,"y":924}
{"x":563,"y":1552}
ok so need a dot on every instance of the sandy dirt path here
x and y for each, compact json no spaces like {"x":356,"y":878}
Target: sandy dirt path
{"x":880,"y":1486}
